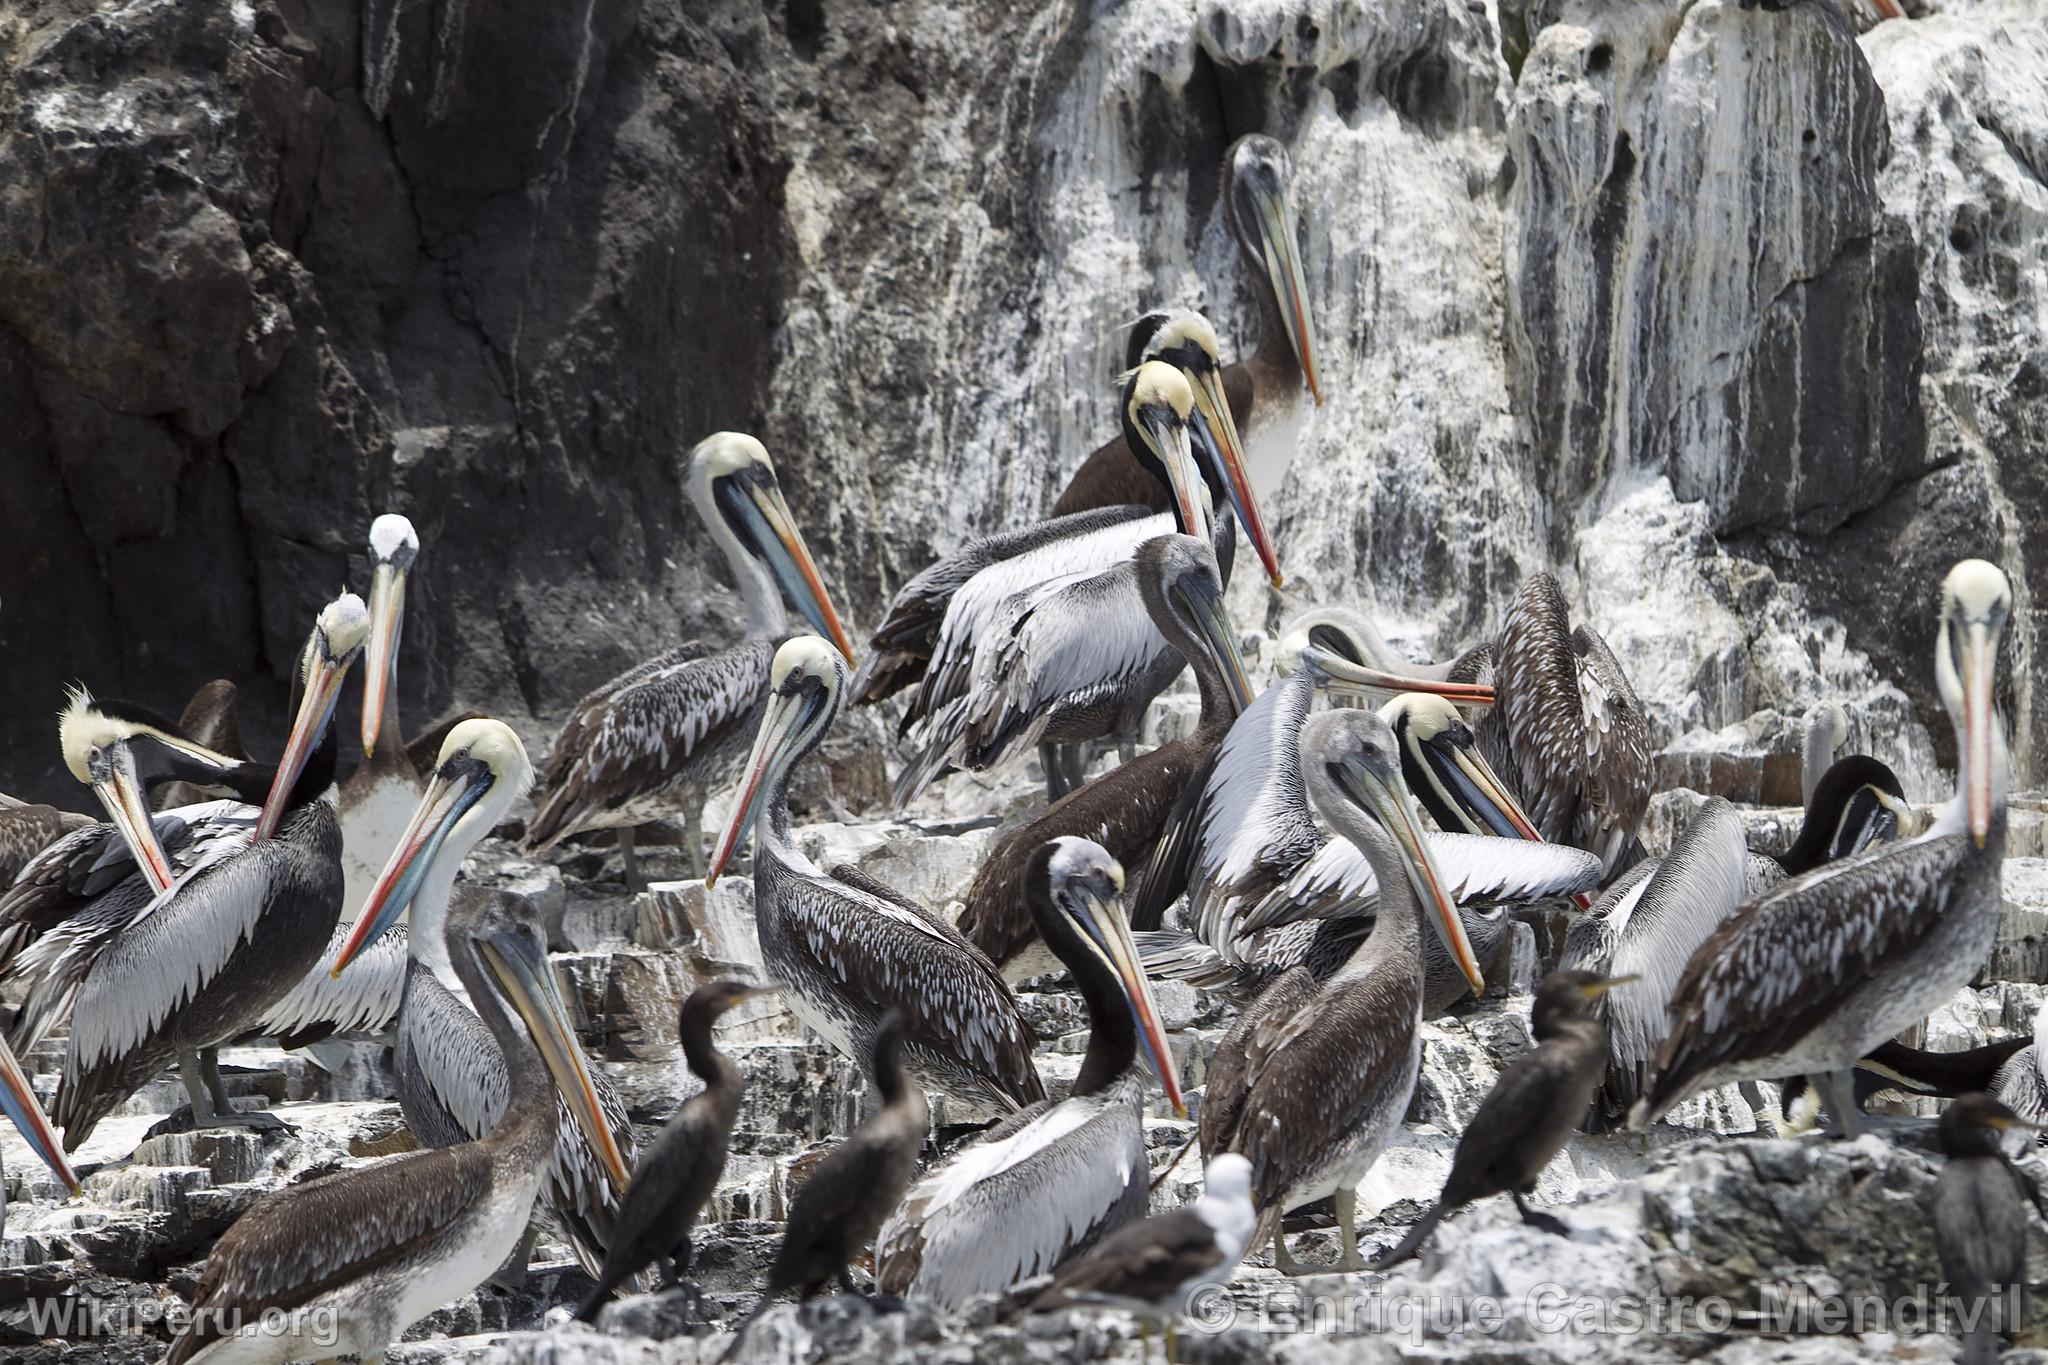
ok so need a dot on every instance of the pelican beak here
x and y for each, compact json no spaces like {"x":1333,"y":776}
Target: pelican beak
{"x":1475,"y":787}
{"x":380,"y":667}
{"x":1170,"y":441}
{"x":1227,"y":447}
{"x":1979,"y":667}
{"x":118,"y":785}
{"x":1342,"y":675}
{"x":1095,"y":911}
{"x":1284,"y":273}
{"x":779,"y":726}
{"x":1599,"y":988}
{"x":18,"y":1101}
{"x":527,"y":982}
{"x":316,"y":711}
{"x":1212,"y":621}
{"x":1390,"y":802}
{"x":791,"y":562}
{"x":450,"y":793}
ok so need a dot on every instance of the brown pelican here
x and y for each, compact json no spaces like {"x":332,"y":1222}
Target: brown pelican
{"x":344,"y":1264}
{"x":1265,"y":395}
{"x":2021,"y":1081}
{"x":1326,"y":1081}
{"x":1815,"y":974}
{"x":904,"y":643}
{"x":676,"y":1176}
{"x":658,"y":737}
{"x":1151,"y":1268}
{"x":1055,"y":648}
{"x":451,"y":1072}
{"x":1052,"y":1181}
{"x":844,"y":1201}
{"x":845,"y":953}
{"x":1126,"y":809}
{"x":26,"y":830}
{"x":18,"y":1102}
{"x":207,"y":958}
{"x":1535,"y":1105}
{"x":380,"y":797}
{"x":1980,"y":1225}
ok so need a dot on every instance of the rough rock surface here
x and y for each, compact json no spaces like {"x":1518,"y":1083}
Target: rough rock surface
{"x":267,"y":268}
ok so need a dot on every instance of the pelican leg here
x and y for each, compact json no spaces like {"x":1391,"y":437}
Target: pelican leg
{"x":1536,"y":1218}
{"x":1285,"y":1263}
{"x":1126,"y":747}
{"x":1057,"y":782}
{"x":512,"y":1274}
{"x":1347,"y":1231}
{"x":211,"y":1108}
{"x":1838,"y":1092}
{"x":634,"y":881}
{"x":216,"y":1088}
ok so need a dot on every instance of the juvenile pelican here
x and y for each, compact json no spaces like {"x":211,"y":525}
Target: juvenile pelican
{"x":843,"y":953}
{"x":1265,"y":395}
{"x":344,"y":1264}
{"x":1814,"y":975}
{"x":1325,"y":1084}
{"x":1053,"y":1180}
{"x":452,"y":1075}
{"x":661,"y":735}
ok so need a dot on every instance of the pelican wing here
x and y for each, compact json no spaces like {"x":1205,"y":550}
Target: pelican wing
{"x":1617,"y":738}
{"x":1541,"y":706}
{"x":1338,"y":882}
{"x":363,"y":999}
{"x":1230,"y":1068}
{"x":454,"y":1055}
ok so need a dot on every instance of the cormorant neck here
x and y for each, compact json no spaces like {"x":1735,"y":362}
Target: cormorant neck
{"x":701,"y":1054}
{"x":889,"y":1076}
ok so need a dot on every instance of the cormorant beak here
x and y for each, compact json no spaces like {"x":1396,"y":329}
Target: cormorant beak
{"x":1170,"y":441}
{"x":790,"y":560}
{"x":1342,"y":675}
{"x":528,"y":984}
{"x":118,"y":785}
{"x":1219,"y":433}
{"x":387,"y":620}
{"x":780,"y":724}
{"x":1212,"y":622}
{"x":18,"y":1101}
{"x":1980,"y":724}
{"x":451,"y":792}
{"x":1390,"y":802}
{"x":1473,"y":786}
{"x":1596,"y":989}
{"x":1092,"y":905}
{"x":316,"y":710}
{"x":1283,"y":271}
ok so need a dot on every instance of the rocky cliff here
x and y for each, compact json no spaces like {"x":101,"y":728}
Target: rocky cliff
{"x":1733,"y":316}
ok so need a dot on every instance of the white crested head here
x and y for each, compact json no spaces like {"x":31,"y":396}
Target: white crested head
{"x":1160,"y":385}
{"x":82,"y":728}
{"x":727,"y":452}
{"x":392,"y":540}
{"x":806,"y":656}
{"x":492,"y":743}
{"x":1425,"y":714}
{"x":1075,"y":859}
{"x":343,"y":626}
{"x":1977,"y":590}
{"x":1182,"y":329}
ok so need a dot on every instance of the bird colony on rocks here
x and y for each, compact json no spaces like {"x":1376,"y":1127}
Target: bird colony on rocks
{"x":1117,"y":933}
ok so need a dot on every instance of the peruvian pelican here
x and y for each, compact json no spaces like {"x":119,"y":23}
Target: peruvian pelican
{"x":452,"y":1073}
{"x":344,"y":1264}
{"x":207,"y":958}
{"x":845,"y":953}
{"x":1126,"y":809}
{"x":1055,"y":647}
{"x":1815,"y":974}
{"x":904,"y":643}
{"x":1268,"y":396}
{"x":380,"y":796}
{"x":660,"y":736}
{"x":1327,"y":1075}
{"x":1054,"y":1180}
{"x":27,"y":829}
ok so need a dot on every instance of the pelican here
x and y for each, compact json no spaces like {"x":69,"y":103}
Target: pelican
{"x":1826,"y":726}
{"x":1054,"y":648}
{"x":26,"y":830}
{"x":379,"y":798}
{"x":204,"y":960}
{"x":1126,"y":809}
{"x":1057,"y":1178}
{"x":1813,"y":975}
{"x":18,"y":1102}
{"x":1265,"y":395}
{"x":452,"y":1075}
{"x":2021,"y":1082}
{"x":909,"y":633}
{"x":663,"y":734}
{"x":344,"y":1264}
{"x":845,"y":953}
{"x":1327,"y":1079}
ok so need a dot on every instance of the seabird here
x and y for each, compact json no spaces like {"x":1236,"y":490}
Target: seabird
{"x":1826,"y":727}
{"x":1537,"y":1102}
{"x":656,"y":739}
{"x":844,"y":952}
{"x":1052,"y":1181}
{"x":2020,"y":1081}
{"x":1267,"y":395}
{"x":1126,"y":809}
{"x":382,"y":794}
{"x":344,"y":1264}
{"x":1814,"y":975}
{"x":1326,"y":1082}
{"x":1980,"y":1225}
{"x":451,"y":1074}
{"x":675,"y":1177}
{"x":207,"y":958}
{"x":843,"y":1204}
{"x":26,"y":830}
